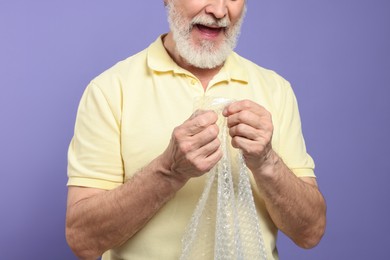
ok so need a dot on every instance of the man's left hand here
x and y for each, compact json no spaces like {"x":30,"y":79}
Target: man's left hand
{"x":250,"y":126}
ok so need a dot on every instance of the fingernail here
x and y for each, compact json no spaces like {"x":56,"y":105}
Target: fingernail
{"x":224,"y":112}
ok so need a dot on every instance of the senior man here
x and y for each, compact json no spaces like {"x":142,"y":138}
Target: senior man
{"x":139,"y":156}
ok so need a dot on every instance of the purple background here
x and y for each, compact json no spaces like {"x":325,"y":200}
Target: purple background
{"x":336,"y":54}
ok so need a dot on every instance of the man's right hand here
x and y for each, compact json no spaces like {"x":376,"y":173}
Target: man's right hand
{"x":194,"y":147}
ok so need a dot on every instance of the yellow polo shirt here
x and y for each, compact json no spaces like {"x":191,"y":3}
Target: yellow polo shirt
{"x":126,"y":117}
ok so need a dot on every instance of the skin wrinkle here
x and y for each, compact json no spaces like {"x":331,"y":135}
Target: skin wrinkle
{"x":208,"y":55}
{"x":87,"y":205}
{"x":97,"y":220}
{"x":277,"y":198}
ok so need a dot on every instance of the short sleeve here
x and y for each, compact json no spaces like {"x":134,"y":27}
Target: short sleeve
{"x":94,"y":155}
{"x":292,"y":148}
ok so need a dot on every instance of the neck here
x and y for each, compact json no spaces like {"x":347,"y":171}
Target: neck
{"x":204,"y":75}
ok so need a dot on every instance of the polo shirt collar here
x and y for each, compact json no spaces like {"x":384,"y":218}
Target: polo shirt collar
{"x":159,"y":60}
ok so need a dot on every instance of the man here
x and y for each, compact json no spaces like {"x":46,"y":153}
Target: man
{"x":138,"y":158}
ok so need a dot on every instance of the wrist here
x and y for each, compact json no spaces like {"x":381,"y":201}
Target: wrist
{"x":271,"y":159}
{"x":164,"y":170}
{"x":269,"y":165}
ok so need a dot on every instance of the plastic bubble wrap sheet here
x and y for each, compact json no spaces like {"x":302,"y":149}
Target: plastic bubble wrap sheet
{"x":225,"y":224}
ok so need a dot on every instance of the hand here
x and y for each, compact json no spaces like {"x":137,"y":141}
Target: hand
{"x":194,"y":147}
{"x":250,"y":126}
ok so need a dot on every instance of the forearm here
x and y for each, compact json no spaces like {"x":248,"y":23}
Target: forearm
{"x":99,"y":220}
{"x":296,"y":207}
{"x":108,"y":219}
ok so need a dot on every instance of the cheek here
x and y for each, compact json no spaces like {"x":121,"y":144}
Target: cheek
{"x":235,"y":19}
{"x":236,"y":12}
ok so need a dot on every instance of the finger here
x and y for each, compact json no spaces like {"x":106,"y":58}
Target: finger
{"x":204,"y":158}
{"x":247,"y":146}
{"x":238,"y":106}
{"x":206,"y":136}
{"x":245,"y":117}
{"x":198,"y":112}
{"x":200,"y":120}
{"x":213,"y":159}
{"x":189,"y":144}
{"x":209,"y":155}
{"x":209,"y":148}
{"x":245,"y":131}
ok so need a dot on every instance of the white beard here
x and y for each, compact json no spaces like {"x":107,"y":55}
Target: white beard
{"x":207,"y":55}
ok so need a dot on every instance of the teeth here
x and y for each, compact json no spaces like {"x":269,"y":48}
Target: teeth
{"x":210,"y":27}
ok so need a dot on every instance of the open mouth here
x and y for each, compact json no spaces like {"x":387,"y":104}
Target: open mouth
{"x":209,"y":30}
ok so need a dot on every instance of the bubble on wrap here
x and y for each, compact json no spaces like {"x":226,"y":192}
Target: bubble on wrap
{"x":225,"y":224}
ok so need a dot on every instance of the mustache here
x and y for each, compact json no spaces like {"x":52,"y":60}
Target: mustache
{"x":210,"y":21}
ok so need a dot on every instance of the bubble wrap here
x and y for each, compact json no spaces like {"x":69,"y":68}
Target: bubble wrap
{"x":225,"y":224}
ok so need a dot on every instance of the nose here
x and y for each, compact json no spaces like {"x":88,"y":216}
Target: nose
{"x":217,"y":8}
